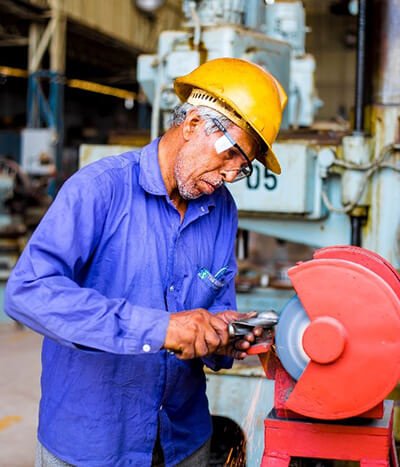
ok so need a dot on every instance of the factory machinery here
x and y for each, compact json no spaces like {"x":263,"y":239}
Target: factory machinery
{"x":337,"y":340}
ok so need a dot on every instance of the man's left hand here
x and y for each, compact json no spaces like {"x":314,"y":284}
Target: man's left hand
{"x":237,"y":348}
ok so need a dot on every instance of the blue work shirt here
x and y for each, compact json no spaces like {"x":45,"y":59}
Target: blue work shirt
{"x":107,"y":264}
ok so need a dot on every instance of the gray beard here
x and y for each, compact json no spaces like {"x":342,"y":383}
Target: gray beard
{"x":184,"y":191}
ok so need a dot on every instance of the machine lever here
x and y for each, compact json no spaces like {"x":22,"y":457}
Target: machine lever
{"x":265,"y":319}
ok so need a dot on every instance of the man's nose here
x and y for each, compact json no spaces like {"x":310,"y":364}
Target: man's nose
{"x":229,"y":175}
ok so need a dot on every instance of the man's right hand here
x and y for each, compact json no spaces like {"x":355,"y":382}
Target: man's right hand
{"x":195,"y":333}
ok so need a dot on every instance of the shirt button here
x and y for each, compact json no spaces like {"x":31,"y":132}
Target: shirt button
{"x":203,"y":209}
{"x":146,"y":348}
{"x":172,"y":288}
{"x":161,"y":407}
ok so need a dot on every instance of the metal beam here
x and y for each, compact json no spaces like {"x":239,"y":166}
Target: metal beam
{"x":58,"y":42}
{"x":42,"y":46}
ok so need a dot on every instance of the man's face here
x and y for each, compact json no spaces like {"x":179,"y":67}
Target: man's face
{"x":200,"y":169}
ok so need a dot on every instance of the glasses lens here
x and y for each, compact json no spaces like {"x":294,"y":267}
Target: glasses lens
{"x":223,"y":144}
{"x":226,"y":142}
{"x":239,"y":176}
{"x":242,"y":173}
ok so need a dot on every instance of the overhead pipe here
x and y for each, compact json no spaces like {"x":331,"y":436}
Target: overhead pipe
{"x":359,"y":104}
{"x":360,"y":68}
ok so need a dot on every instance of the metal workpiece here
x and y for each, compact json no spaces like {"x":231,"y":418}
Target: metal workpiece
{"x":265,"y":319}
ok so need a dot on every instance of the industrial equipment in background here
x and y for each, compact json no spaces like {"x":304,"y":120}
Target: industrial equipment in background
{"x":24,"y":193}
{"x":335,"y":358}
{"x":23,"y":200}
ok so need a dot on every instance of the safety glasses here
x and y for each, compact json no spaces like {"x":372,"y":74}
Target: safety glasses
{"x":226,"y":142}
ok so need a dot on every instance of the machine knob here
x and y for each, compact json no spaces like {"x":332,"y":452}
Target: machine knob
{"x":324,"y":340}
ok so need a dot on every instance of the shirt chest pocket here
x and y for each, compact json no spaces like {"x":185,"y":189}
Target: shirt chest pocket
{"x":207,"y":287}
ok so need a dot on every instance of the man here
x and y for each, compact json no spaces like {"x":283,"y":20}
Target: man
{"x":130,"y":277}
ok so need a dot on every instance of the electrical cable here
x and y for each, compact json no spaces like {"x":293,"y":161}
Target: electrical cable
{"x":369,"y":169}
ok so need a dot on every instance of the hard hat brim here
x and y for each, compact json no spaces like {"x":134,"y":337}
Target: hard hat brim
{"x":270,"y":161}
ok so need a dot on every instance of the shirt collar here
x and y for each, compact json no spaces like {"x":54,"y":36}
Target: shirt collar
{"x":150,"y":178}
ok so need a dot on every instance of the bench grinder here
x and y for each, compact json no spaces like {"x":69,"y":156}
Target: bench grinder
{"x":335,"y":355}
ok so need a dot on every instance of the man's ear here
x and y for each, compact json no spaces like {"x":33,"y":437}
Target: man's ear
{"x":191,"y":124}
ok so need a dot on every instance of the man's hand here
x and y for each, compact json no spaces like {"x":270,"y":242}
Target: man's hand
{"x":237,"y":348}
{"x":196,"y":333}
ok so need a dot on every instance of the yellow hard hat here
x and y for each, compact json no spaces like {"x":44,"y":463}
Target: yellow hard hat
{"x":242,"y":91}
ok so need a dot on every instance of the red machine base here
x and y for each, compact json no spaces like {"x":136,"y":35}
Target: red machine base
{"x":368,"y":441}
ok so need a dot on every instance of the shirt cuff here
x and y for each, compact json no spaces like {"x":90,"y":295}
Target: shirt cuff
{"x":144,"y":329}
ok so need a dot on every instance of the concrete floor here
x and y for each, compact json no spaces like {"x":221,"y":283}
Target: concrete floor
{"x":19,"y":394}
